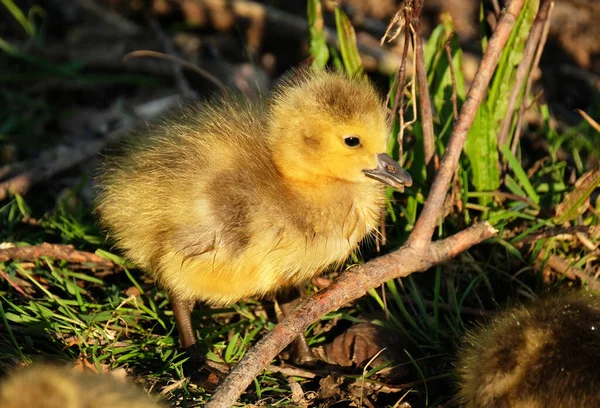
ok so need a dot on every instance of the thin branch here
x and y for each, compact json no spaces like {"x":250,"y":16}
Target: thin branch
{"x":429,"y":218}
{"x":564,"y":267}
{"x":50,"y":163}
{"x":399,"y":86}
{"x":352,"y":284}
{"x":523,"y":71}
{"x":178,"y":62}
{"x":65,"y":252}
{"x":454,"y":97}
{"x":497,"y":10}
{"x":110,"y":17}
{"x":536,"y":62}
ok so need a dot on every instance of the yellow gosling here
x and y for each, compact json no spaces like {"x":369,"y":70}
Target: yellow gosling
{"x":229,"y":200}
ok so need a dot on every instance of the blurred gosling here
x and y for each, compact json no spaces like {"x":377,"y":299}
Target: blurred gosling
{"x":542,"y":355}
{"x":42,"y":386}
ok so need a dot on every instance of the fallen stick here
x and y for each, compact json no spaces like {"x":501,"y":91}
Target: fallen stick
{"x":58,"y":251}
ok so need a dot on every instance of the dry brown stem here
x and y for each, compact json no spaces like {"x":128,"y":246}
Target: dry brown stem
{"x":178,"y":61}
{"x":180,"y":79}
{"x":57,"y":251}
{"x":400,"y":85}
{"x":51,"y":162}
{"x":60,"y":158}
{"x":454,"y":97}
{"x":562,"y":266}
{"x":523,"y":71}
{"x":544,"y":13}
{"x":110,"y":17}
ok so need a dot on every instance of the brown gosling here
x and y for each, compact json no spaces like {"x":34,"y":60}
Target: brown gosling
{"x":230,"y":200}
{"x":543,"y":355}
{"x":43,"y":386}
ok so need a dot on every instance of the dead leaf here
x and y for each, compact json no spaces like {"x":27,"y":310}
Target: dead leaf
{"x":329,"y":387}
{"x":360,"y":343}
{"x":577,"y":201}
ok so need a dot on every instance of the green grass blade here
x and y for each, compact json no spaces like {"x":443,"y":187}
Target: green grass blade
{"x":348,"y":48}
{"x":20,"y":17}
{"x":576,"y":202}
{"x":520,"y":173}
{"x":482,"y":152}
{"x":438,"y":68}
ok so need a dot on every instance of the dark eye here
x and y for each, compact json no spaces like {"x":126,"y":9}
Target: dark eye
{"x":352,"y":141}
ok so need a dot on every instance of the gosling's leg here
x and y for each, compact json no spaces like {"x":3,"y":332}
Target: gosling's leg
{"x":182,"y":309}
{"x":301,"y":352}
{"x":196,"y":367}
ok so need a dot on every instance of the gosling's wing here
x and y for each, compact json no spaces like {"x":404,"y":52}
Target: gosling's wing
{"x":159,"y":181}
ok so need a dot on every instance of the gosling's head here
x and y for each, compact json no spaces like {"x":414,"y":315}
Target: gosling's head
{"x":327,"y":127}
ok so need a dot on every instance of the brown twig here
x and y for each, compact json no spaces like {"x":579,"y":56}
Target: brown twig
{"x":563,"y":267}
{"x":429,"y":218}
{"x":424,"y":97}
{"x":52,"y":161}
{"x":497,"y":10}
{"x":58,"y":159}
{"x":15,"y":284}
{"x":523,"y":71}
{"x":178,"y":62}
{"x":559,"y":265}
{"x":551,"y":232}
{"x":110,"y":17}
{"x":454,"y":97}
{"x":451,"y":199}
{"x":399,"y":85}
{"x":536,"y":62}
{"x":57,"y":251}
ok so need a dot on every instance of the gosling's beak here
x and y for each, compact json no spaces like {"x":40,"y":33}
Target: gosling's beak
{"x":388,"y":171}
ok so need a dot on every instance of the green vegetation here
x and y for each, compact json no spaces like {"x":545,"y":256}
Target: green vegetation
{"x":113,"y":317}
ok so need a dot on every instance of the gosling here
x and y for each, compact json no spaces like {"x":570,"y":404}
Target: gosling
{"x":230,"y":200}
{"x":43,"y":386}
{"x":544,"y":355}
